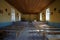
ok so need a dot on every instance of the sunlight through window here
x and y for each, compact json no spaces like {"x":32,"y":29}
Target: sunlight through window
{"x":19,"y":17}
{"x":40,"y":16}
{"x":12,"y":14}
{"x":47,"y":14}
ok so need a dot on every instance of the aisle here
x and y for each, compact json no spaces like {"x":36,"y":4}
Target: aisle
{"x":28,"y":34}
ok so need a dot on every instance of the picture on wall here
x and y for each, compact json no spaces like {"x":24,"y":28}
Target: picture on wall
{"x":1,"y":11}
{"x":8,"y":13}
{"x":58,"y":11}
{"x":6,"y":10}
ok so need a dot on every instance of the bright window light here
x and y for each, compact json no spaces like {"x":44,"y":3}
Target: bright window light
{"x":40,"y":16}
{"x":19,"y":17}
{"x":47,"y":14}
{"x":12,"y":14}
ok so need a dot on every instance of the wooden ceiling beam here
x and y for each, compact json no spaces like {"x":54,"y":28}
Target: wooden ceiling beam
{"x":29,"y":6}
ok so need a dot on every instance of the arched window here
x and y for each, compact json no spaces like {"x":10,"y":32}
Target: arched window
{"x":19,"y":17}
{"x":12,"y":14}
{"x":40,"y":16}
{"x":47,"y":14}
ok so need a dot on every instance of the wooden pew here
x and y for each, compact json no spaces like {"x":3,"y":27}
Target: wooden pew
{"x":52,"y":30}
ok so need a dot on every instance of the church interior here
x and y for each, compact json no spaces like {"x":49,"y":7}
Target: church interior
{"x":29,"y":19}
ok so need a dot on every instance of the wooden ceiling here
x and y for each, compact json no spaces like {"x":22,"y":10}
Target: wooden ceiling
{"x":30,"y":6}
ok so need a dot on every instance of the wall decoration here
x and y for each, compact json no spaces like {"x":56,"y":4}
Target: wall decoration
{"x":8,"y":13}
{"x":54,"y":9}
{"x":51,"y":13}
{"x":58,"y":11}
{"x":42,"y":13}
{"x":6,"y":9}
{"x":1,"y":11}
